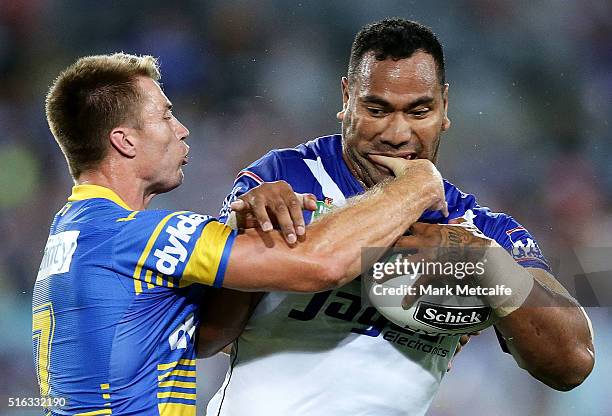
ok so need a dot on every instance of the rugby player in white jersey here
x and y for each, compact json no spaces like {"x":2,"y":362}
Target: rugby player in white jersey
{"x":331,"y":353}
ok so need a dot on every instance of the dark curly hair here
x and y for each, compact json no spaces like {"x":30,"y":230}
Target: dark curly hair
{"x":395,"y":38}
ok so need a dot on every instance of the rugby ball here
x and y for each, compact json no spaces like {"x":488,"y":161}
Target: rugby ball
{"x":443,"y":311}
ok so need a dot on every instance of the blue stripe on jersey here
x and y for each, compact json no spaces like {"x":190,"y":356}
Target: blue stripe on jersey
{"x":224,"y":259}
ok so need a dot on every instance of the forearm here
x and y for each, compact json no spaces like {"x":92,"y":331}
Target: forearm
{"x":330,"y":253}
{"x":375,"y":219}
{"x":549,"y":335}
{"x":223,"y":316}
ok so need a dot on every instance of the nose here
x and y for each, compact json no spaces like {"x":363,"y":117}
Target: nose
{"x":182,"y":132}
{"x":398,"y":131}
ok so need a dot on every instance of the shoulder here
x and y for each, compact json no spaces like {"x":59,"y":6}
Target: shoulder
{"x":275,"y":161}
{"x":499,"y":226}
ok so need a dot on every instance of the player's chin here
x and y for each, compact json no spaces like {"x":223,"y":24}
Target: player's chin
{"x":380,"y":173}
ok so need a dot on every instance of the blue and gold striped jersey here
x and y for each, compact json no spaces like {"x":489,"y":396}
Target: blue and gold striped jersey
{"x":115,"y":306}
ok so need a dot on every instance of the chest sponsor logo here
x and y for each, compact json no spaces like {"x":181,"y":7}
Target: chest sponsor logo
{"x":58,"y":254}
{"x":366,"y":321}
{"x":175,"y":251}
{"x":449,"y":317}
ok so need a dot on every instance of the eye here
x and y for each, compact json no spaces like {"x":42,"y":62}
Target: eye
{"x":421,"y":112}
{"x":376,"y":111}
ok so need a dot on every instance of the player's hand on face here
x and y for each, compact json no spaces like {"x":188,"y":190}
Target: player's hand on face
{"x":420,"y":172}
{"x":457,"y":241}
{"x":274,"y":205}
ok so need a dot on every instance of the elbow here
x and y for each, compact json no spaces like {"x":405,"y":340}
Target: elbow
{"x":581,"y":366}
{"x":574,"y":369}
{"x":207,"y":352}
{"x":326,"y":273}
{"x":334,"y":275}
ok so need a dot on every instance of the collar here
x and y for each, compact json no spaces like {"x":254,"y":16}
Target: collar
{"x":88,"y":191}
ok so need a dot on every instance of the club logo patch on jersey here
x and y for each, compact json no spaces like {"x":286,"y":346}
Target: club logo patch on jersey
{"x":323,"y":207}
{"x":176,"y":242}
{"x":450,"y":317}
{"x":58,"y":254}
{"x":523,"y":246}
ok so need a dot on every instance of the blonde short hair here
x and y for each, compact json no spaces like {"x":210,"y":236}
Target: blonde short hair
{"x":90,"y":98}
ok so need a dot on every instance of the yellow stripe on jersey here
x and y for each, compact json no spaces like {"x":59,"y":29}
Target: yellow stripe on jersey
{"x":147,"y":250}
{"x":182,"y":373}
{"x":96,"y":412}
{"x":148,"y":274}
{"x":177,"y":383}
{"x":64,"y":209}
{"x":130,"y":217}
{"x":204,"y":261}
{"x":176,"y":409}
{"x":183,"y":361}
{"x":88,"y":191}
{"x":176,"y":395}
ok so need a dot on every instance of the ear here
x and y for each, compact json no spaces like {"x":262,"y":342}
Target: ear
{"x":446,"y":123}
{"x":345,"y":98}
{"x":122,"y":139}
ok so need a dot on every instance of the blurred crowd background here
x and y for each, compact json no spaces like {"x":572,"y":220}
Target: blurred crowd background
{"x":530,"y":102}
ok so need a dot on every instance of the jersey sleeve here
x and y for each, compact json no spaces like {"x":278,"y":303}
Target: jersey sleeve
{"x":172,"y":249}
{"x":501,"y":227}
{"x":512,"y":236}
{"x":263,"y":170}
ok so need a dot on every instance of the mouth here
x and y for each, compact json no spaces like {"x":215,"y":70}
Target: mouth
{"x":407,"y":155}
{"x":185,"y":160}
{"x":401,"y":155}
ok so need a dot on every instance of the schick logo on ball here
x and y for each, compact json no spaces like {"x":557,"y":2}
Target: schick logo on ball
{"x":451,"y":317}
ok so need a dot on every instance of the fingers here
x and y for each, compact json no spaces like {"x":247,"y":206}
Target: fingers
{"x":288,"y":212}
{"x":422,"y":281}
{"x":409,"y":242}
{"x":441,"y":206}
{"x":462,"y":341}
{"x":419,"y":228}
{"x":275,"y":203}
{"x":396,"y":164}
{"x":239,"y":205}
{"x":308,"y":201}
{"x":258,"y":209}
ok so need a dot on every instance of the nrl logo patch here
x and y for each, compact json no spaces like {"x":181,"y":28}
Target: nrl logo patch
{"x":323,"y":207}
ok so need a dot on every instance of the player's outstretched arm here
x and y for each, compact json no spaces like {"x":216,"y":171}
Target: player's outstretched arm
{"x":550,"y":335}
{"x":545,"y":330}
{"x":330,"y":254}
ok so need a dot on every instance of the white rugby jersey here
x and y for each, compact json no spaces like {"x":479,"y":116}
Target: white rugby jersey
{"x":331,"y":353}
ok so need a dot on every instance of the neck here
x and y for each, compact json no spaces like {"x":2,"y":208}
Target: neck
{"x":131,"y":190}
{"x":356,"y":171}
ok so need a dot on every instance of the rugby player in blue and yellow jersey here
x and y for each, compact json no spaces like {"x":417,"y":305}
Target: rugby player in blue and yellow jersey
{"x":116,"y":303}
